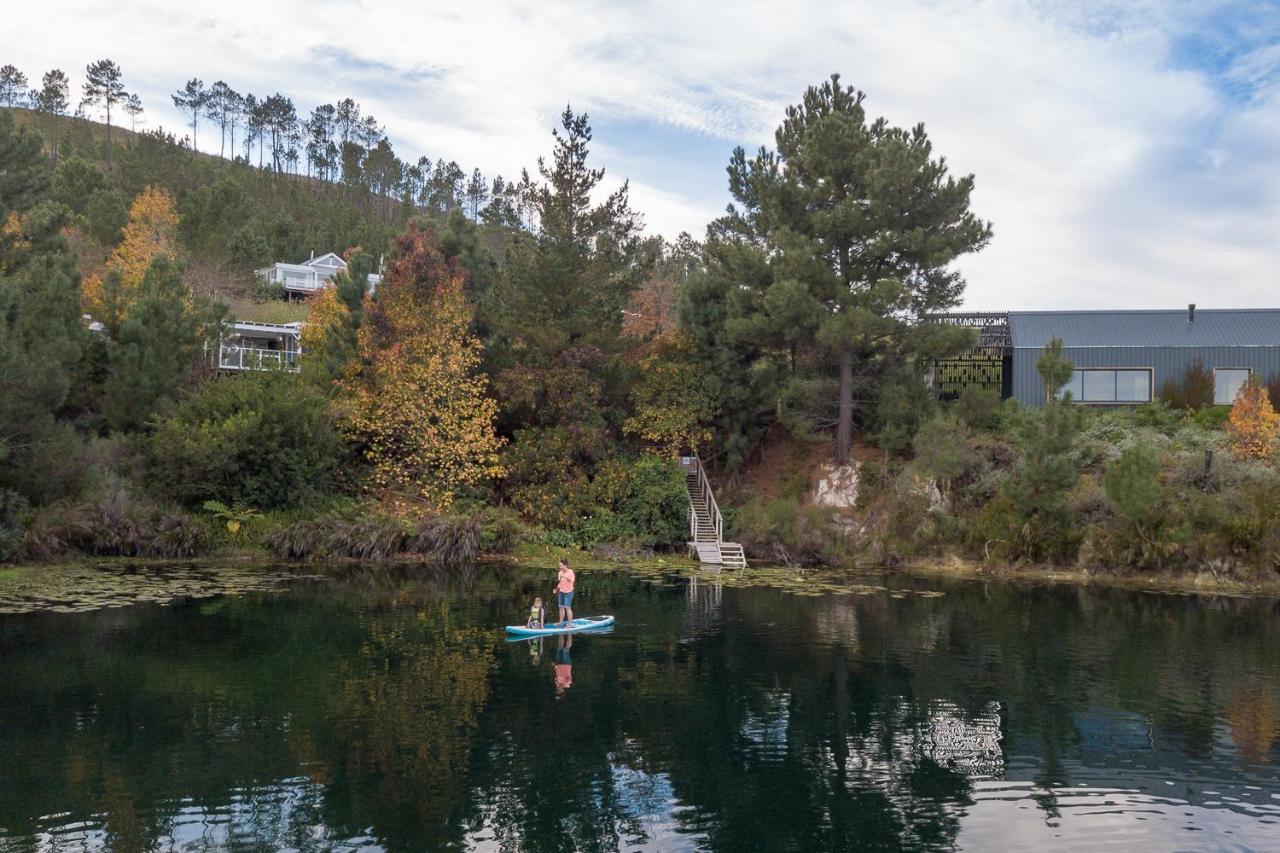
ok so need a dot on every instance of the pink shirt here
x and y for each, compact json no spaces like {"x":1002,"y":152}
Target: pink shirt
{"x":566,"y":581}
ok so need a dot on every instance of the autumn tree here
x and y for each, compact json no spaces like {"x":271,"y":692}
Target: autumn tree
{"x":1253,"y":425}
{"x":673,"y":406}
{"x":104,"y":84}
{"x":151,"y":233}
{"x":417,"y":404}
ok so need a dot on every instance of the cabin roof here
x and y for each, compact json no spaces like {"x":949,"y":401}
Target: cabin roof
{"x":1203,"y":327}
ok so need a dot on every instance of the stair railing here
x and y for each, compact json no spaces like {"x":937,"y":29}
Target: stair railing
{"x":712,"y":507}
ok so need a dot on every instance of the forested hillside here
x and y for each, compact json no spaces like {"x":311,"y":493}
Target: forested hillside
{"x":532,"y":362}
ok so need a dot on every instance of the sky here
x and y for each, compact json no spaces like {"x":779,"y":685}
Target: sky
{"x":1126,"y":153}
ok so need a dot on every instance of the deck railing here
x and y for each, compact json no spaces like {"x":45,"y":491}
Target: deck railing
{"x":231,"y":357}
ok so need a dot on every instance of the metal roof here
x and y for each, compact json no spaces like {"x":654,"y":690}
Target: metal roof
{"x":1211,"y":327}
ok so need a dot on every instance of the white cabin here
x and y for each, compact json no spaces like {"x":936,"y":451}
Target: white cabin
{"x":310,"y":275}
{"x":260,"y":346}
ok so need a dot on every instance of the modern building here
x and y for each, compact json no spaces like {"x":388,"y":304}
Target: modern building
{"x":310,"y":275}
{"x":1121,"y":357}
{"x":260,"y":346}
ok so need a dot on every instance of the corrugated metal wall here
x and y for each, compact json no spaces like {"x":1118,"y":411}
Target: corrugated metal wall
{"x":1168,"y":362}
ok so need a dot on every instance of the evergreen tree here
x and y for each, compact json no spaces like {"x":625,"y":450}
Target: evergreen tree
{"x":41,"y":338}
{"x":567,"y":284}
{"x":53,"y":99}
{"x":13,"y":86}
{"x":856,"y":225}
{"x":1042,"y":523}
{"x":133,"y":106}
{"x":221,"y":107}
{"x":193,"y":99}
{"x":24,"y":174}
{"x":104,"y":84}
{"x":477,"y":195}
{"x":161,"y":343}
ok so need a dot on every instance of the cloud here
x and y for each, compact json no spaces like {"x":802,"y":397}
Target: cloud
{"x":1125,"y":151}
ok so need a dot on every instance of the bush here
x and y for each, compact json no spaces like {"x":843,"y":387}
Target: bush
{"x":501,"y":530}
{"x":264,"y":439}
{"x":1193,"y":392}
{"x":447,"y":540}
{"x":115,"y":524}
{"x":979,"y":408}
{"x":785,"y":532}
{"x":644,"y":501}
{"x":377,"y":536}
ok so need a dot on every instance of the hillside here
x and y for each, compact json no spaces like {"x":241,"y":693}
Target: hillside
{"x":234,"y":216}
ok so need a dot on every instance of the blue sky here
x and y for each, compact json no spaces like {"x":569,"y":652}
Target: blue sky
{"x":1127,"y":153}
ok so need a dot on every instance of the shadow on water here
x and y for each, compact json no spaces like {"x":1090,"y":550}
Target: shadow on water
{"x":382,"y":708}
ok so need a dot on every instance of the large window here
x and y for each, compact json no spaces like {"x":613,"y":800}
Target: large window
{"x":1109,"y":385}
{"x":1227,"y":382}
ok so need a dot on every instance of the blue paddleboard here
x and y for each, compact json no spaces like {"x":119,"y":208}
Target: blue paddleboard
{"x":584,"y":624}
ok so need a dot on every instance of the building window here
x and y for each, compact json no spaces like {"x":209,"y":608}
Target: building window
{"x":1109,"y":385}
{"x":1227,"y":382}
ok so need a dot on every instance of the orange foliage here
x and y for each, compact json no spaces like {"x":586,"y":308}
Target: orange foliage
{"x":1253,"y":425}
{"x":151,"y":233}
{"x":417,"y":404}
{"x":651,"y":311}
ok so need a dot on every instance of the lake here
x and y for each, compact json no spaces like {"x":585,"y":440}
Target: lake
{"x":381,"y":708}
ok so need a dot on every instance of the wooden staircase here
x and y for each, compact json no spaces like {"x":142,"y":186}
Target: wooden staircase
{"x":706,"y":526}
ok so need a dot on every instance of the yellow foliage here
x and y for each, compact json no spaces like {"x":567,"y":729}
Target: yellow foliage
{"x":1253,"y":425}
{"x":416,"y":403}
{"x":150,"y":233}
{"x":672,"y":404}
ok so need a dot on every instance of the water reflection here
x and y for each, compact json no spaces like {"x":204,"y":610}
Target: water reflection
{"x":381,"y":709}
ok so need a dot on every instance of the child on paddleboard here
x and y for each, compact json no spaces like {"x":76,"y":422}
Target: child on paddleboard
{"x":536,"y":614}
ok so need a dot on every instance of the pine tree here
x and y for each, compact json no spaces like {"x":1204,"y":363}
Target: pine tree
{"x":158,"y":347}
{"x":133,"y":106}
{"x":567,"y":283}
{"x":13,"y":86}
{"x":855,"y":225}
{"x":53,"y":99}
{"x":1043,"y":524}
{"x":477,"y":195}
{"x":192,"y":99}
{"x":103,"y":84}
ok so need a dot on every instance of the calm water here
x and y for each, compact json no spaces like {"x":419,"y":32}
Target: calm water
{"x":383,"y":710}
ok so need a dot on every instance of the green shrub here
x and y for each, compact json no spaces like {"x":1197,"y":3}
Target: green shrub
{"x":501,"y":530}
{"x":116,"y":524}
{"x":264,"y":439}
{"x":74,"y":182}
{"x":979,"y":408}
{"x":786,"y":532}
{"x":645,"y":502}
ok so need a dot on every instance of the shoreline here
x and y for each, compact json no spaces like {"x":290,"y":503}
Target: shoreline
{"x":1197,"y":583}
{"x":952,"y":567}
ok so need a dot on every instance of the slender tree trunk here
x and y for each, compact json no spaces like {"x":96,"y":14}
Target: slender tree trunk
{"x":844,"y":422}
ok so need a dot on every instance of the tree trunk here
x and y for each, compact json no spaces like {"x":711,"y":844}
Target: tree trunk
{"x":844,"y":422}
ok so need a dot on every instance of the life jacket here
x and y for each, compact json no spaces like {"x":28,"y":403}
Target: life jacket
{"x":535,"y":614}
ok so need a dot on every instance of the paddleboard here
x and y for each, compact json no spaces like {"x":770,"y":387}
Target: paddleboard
{"x":583,"y":624}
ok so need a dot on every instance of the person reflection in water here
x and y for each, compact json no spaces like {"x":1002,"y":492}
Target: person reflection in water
{"x":563,"y":666}
{"x":535,"y":651}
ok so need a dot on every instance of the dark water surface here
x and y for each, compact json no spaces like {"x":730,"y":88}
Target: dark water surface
{"x":382,"y":709}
